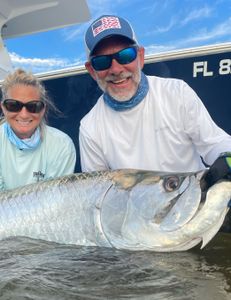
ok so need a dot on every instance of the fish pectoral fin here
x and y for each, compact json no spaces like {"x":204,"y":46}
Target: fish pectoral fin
{"x":209,"y":234}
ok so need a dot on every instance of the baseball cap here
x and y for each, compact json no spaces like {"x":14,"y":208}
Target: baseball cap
{"x":106,"y":26}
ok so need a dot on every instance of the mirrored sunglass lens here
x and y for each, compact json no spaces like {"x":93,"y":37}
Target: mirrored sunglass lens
{"x":126,"y":56}
{"x":101,"y":62}
{"x":123,"y":57}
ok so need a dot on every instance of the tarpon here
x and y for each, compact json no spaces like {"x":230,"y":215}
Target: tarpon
{"x":125,"y":209}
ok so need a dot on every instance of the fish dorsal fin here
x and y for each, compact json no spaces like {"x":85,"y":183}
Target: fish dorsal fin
{"x":185,"y":208}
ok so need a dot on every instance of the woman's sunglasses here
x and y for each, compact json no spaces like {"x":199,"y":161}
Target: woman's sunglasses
{"x":34,"y":106}
{"x":123,"y":57}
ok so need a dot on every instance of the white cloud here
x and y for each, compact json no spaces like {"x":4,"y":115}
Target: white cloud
{"x":204,"y":36}
{"x":37,"y":65}
{"x":157,"y":7}
{"x":177,"y":22}
{"x":197,"y":14}
{"x":221,"y":30}
{"x":158,"y":49}
{"x":163,"y":28}
{"x":74,"y":33}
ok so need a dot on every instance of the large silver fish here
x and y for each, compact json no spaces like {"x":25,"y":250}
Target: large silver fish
{"x":125,"y":209}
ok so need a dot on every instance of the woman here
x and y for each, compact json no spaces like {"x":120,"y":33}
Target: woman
{"x":30,"y":150}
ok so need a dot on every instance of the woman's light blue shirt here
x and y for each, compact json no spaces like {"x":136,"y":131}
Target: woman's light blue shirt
{"x":55,"y":156}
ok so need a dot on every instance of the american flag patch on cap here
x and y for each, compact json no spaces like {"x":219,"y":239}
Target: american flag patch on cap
{"x":104,"y":24}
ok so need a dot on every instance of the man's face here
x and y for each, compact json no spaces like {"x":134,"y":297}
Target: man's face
{"x":120,"y":81}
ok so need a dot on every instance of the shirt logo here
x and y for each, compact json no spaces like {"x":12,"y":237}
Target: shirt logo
{"x":104,"y":24}
{"x":39,"y":175}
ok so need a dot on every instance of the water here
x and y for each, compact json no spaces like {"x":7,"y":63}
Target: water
{"x":33,"y":269}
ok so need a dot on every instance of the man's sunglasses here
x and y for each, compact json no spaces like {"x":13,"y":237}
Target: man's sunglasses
{"x":34,"y":106}
{"x":123,"y":57}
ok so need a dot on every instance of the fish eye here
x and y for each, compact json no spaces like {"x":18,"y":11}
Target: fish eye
{"x":171,"y":183}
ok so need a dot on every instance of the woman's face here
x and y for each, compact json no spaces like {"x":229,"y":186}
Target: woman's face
{"x":23,"y":123}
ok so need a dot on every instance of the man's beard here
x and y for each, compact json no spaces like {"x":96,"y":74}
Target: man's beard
{"x":123,"y":95}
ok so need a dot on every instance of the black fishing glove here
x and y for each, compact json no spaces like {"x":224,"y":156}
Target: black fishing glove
{"x":220,"y":169}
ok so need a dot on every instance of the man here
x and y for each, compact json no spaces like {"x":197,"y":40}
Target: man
{"x":144,"y":122}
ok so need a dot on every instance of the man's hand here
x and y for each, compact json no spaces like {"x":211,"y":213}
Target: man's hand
{"x":220,"y":169}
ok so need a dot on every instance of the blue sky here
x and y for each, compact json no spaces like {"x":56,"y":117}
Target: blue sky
{"x":160,"y":25}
